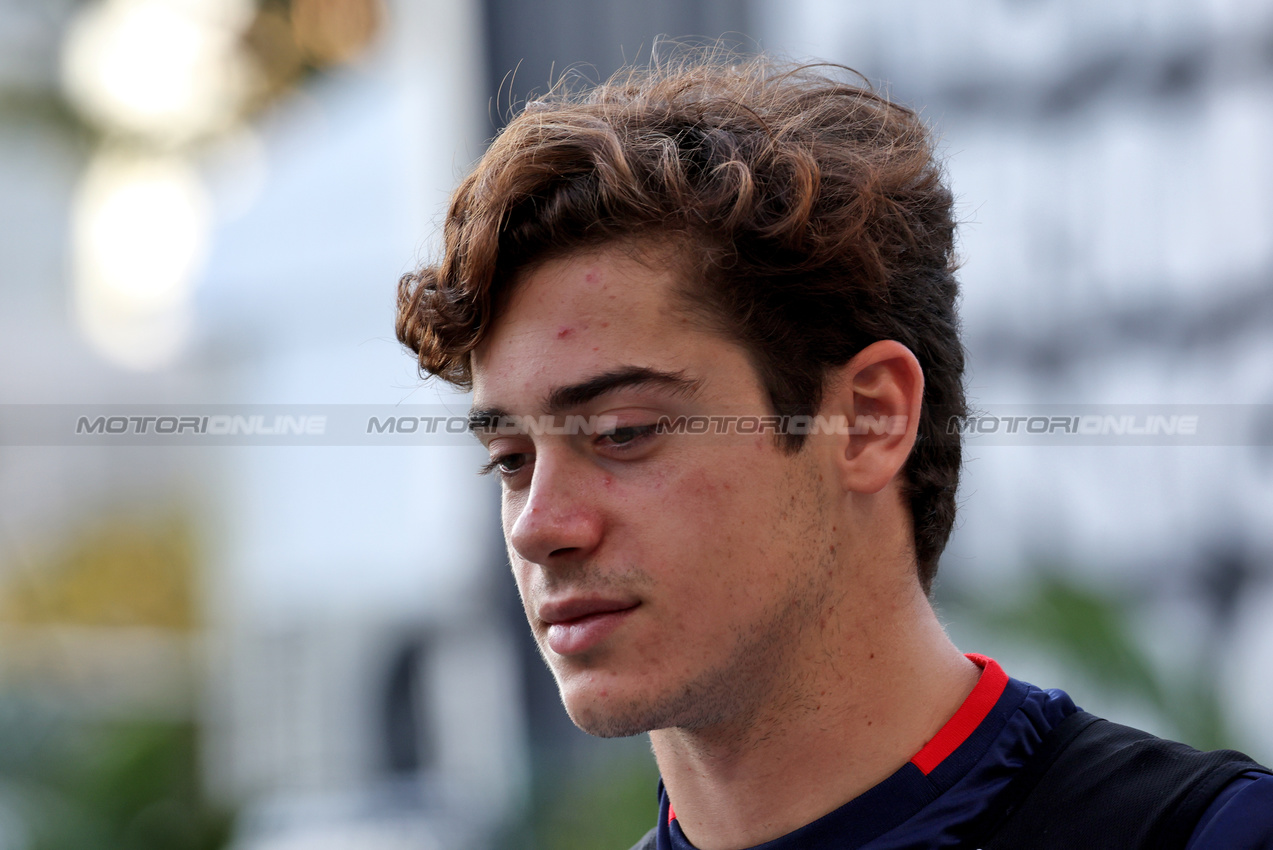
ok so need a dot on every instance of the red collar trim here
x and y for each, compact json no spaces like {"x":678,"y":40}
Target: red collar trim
{"x":969,"y":716}
{"x":966,"y":720}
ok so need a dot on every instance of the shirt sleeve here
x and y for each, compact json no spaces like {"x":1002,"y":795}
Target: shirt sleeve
{"x":1241,"y":818}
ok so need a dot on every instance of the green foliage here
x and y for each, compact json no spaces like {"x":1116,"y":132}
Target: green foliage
{"x":606,"y":805}
{"x":1093,"y":632}
{"x":107,"y":786}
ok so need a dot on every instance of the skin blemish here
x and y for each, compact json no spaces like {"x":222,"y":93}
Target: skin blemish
{"x":592,"y":277}
{"x":562,"y":333}
{"x":605,"y":324}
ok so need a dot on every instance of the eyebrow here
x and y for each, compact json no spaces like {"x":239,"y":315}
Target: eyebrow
{"x":562,"y":399}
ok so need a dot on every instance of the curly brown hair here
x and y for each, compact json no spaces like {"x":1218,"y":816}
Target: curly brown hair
{"x":810,"y":211}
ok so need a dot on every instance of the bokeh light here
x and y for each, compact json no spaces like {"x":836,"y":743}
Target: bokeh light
{"x":164,"y":69}
{"x":140,"y":236}
{"x":332,"y":31}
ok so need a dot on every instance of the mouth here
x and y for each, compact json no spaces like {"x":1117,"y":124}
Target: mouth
{"x":580,"y":624}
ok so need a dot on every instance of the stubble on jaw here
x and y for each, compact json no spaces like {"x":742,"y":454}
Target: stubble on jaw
{"x":762,"y":681}
{"x":727,"y":703}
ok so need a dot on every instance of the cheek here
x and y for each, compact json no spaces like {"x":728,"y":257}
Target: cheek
{"x":512,"y":503}
{"x":709,"y":518}
{"x":510,"y":509}
{"x":748,"y":521}
{"x":522,"y":581}
{"x":729,"y":498}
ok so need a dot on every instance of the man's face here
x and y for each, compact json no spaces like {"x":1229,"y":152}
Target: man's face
{"x":669,"y":579}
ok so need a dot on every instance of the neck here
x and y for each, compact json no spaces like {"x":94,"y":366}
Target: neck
{"x":876,"y":682}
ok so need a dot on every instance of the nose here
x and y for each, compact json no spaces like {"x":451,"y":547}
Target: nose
{"x":555,"y":521}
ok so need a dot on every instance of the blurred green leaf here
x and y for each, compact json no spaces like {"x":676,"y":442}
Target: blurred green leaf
{"x":1093,"y":631}
{"x":128,"y":786}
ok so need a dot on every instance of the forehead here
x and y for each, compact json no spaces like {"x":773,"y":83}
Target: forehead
{"x":572,"y":317}
{"x":639,"y":275}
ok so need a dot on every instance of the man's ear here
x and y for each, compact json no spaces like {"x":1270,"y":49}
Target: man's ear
{"x":879,"y":392}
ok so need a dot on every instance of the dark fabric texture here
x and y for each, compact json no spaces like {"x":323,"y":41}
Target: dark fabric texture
{"x":1039,"y":774}
{"x":1095,"y":784}
{"x":649,"y":842}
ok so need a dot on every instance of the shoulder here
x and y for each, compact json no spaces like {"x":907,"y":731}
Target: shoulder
{"x":1093,"y":778}
{"x":648,"y":842}
{"x":1240,"y":818}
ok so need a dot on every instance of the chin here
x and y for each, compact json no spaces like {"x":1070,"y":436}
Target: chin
{"x":605,"y":713}
{"x":608,"y":717}
{"x":603,"y":726}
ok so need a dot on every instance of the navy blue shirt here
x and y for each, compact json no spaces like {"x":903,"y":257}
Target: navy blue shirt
{"x":958,"y":774}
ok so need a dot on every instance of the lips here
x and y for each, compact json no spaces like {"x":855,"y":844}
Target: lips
{"x":578,"y":624}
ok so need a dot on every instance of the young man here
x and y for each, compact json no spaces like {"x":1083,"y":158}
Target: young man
{"x":707,"y":312}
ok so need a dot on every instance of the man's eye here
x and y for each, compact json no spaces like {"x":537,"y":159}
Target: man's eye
{"x":620,"y":436}
{"x":504,"y":464}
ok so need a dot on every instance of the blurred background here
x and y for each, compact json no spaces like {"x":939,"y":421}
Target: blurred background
{"x":265,"y":647}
